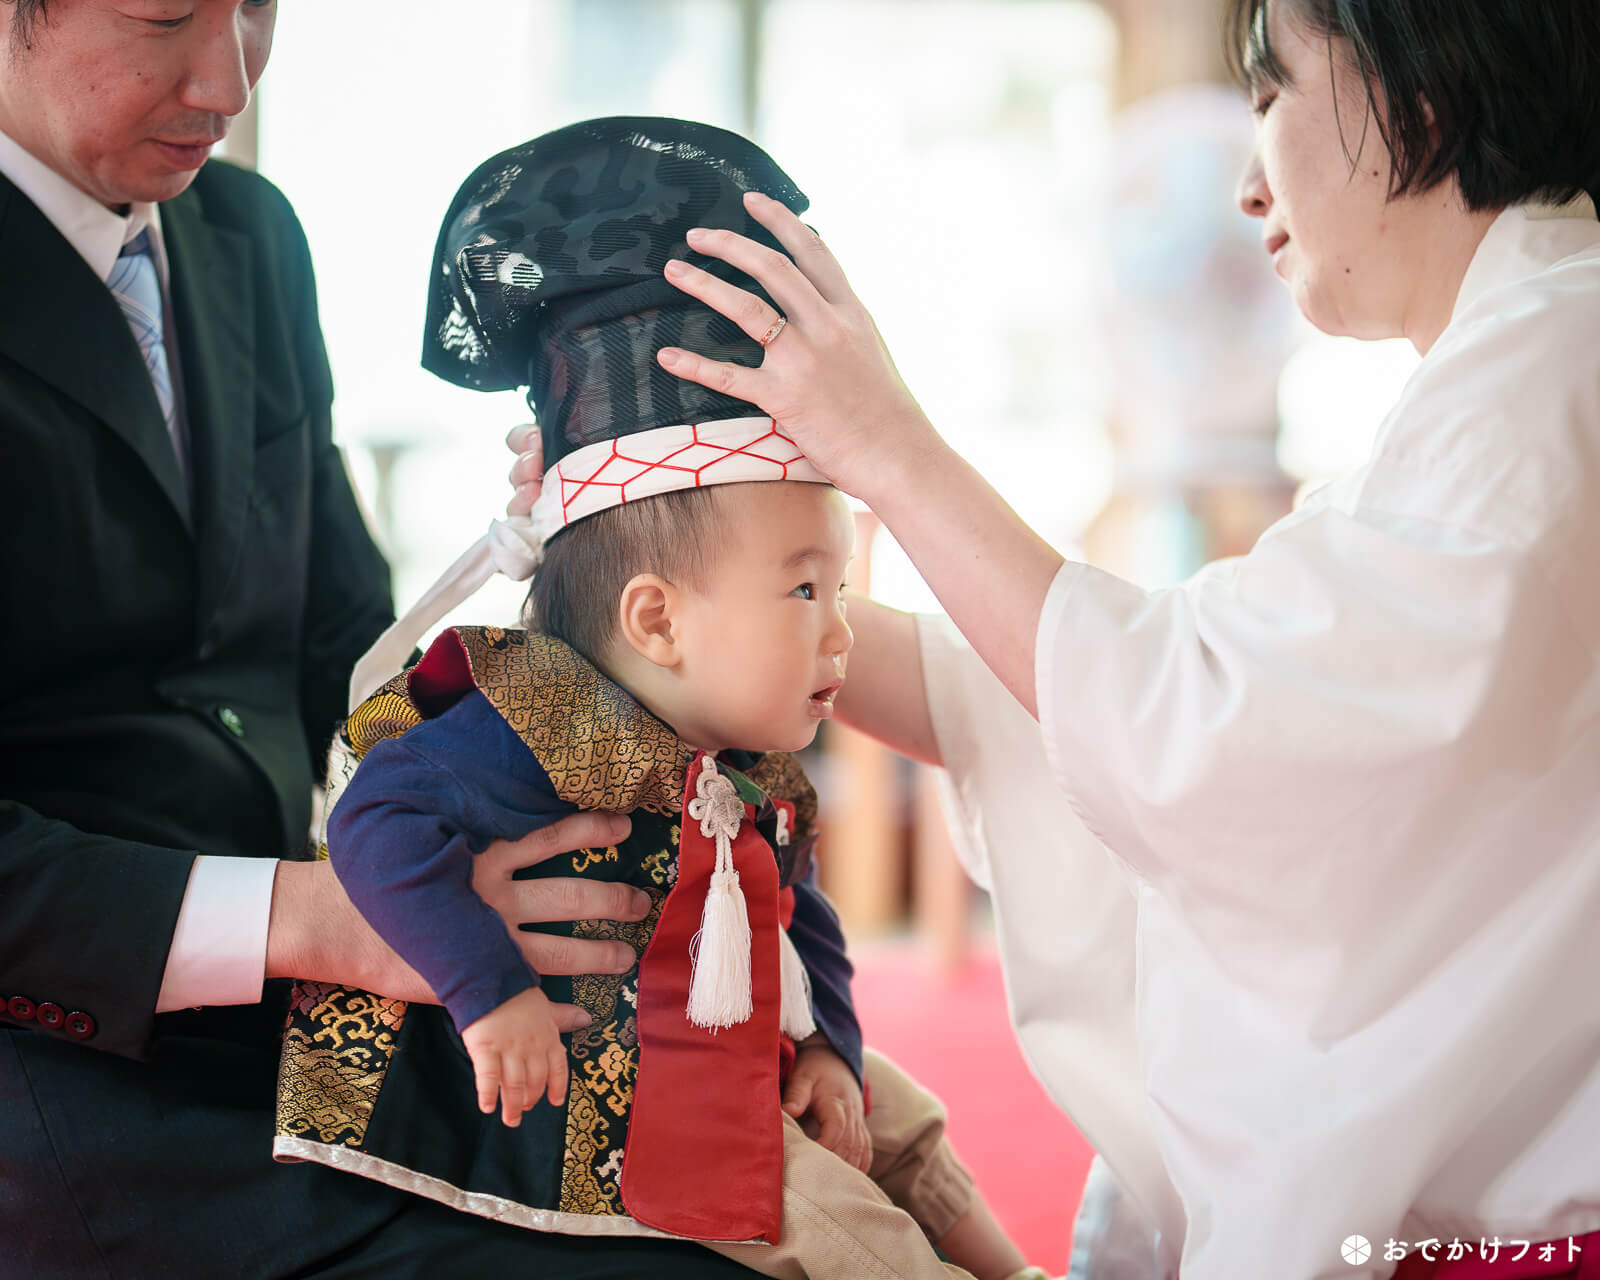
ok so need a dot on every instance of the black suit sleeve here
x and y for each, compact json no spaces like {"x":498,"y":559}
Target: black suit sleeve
{"x":120,"y":894}
{"x":348,"y":601}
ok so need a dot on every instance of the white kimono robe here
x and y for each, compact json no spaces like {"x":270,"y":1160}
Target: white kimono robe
{"x":1342,"y":974}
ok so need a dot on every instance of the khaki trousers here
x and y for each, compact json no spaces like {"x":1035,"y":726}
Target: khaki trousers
{"x":842,"y":1224}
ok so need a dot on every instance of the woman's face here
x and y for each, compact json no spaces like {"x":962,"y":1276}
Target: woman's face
{"x":1319,"y":181}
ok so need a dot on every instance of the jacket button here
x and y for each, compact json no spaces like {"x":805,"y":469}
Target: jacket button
{"x":80,"y":1026}
{"x":21,"y":1008}
{"x":49,"y":1015}
{"x":231,"y":721}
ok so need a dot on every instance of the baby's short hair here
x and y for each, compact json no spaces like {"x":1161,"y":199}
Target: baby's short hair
{"x":578,"y":586}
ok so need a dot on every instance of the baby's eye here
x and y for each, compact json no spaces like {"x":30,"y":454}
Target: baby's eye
{"x":1263,"y":104}
{"x":806,"y":591}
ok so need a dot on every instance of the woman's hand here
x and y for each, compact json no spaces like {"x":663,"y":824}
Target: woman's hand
{"x":827,"y":377}
{"x":315,"y":932}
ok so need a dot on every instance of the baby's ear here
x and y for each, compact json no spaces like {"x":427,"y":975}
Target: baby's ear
{"x":645,"y":619}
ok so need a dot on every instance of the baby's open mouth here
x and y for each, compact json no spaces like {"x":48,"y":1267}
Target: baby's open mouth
{"x":821,"y":701}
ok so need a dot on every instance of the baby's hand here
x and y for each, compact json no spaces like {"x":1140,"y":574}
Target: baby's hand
{"x":517,"y":1054}
{"x":823,"y":1095}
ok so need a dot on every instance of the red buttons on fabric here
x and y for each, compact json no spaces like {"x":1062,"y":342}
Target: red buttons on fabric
{"x":50,"y":1016}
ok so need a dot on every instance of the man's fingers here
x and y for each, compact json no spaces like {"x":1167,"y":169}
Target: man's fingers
{"x":547,"y":953}
{"x":570,"y":1017}
{"x":749,"y":312}
{"x":522,"y":500}
{"x":576,"y":831}
{"x":569,"y":898}
{"x":524,"y":438}
{"x":815,"y":259}
{"x":729,"y":379}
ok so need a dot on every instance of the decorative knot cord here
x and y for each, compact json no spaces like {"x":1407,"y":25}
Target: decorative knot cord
{"x":719,"y":985}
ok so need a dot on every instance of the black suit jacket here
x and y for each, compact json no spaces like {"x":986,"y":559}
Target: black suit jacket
{"x":174,"y":652}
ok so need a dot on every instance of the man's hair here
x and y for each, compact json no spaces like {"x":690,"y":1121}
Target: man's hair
{"x":576,"y":591}
{"x":25,"y":16}
{"x":1513,"y":87}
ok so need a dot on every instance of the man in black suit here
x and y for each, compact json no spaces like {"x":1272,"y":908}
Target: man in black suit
{"x":187,"y":583}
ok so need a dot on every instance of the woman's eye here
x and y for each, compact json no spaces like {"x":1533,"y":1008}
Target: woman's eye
{"x":806,"y":591}
{"x":1263,"y":105}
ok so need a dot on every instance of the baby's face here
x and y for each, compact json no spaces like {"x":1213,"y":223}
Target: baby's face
{"x":765,"y":638}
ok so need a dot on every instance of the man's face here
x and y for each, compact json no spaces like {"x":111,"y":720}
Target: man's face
{"x":125,"y":98}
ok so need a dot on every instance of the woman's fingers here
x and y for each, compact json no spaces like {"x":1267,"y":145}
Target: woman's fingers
{"x":730,"y":379}
{"x":815,"y":259}
{"x":746,"y":310}
{"x":784,"y":282}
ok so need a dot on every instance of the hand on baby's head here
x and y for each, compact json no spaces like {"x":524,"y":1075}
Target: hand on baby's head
{"x":517,"y":1056}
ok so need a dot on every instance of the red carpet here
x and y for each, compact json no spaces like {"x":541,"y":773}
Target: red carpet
{"x":952,"y":1034}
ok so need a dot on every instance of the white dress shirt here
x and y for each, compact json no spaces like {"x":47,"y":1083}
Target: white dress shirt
{"x":1352,"y":783}
{"x":219,"y":947}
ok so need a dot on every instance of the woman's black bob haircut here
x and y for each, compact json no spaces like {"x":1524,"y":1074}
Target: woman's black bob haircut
{"x":1513,"y":86}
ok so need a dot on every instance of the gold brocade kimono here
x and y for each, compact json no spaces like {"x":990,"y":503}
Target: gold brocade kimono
{"x":385,"y":1089}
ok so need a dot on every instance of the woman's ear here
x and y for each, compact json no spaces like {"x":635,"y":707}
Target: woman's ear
{"x":645,"y":618}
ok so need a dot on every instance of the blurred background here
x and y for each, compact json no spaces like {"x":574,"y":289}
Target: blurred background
{"x":1034,"y":198}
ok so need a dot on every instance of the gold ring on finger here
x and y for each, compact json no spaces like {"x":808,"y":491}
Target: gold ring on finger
{"x":770,"y":336}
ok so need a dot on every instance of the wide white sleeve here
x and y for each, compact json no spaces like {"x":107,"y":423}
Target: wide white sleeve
{"x":1065,"y":918}
{"x":219,"y":945}
{"x":1358,"y":667}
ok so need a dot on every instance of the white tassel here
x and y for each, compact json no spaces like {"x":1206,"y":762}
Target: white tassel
{"x":795,"y":1020}
{"x":719,"y":991}
{"x":719,"y":985}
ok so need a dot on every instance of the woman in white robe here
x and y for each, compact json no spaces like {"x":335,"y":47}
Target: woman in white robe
{"x":1333,"y":973}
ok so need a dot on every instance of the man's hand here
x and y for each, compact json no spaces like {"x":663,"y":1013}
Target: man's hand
{"x":517,"y":1055}
{"x":527,"y":472}
{"x":314,"y":931}
{"x":822,"y":1094}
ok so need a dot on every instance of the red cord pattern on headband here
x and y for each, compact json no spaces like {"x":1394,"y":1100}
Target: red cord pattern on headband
{"x":684,"y":466}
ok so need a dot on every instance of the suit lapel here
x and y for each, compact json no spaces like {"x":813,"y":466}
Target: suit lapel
{"x":214,"y":309}
{"x":58,"y":319}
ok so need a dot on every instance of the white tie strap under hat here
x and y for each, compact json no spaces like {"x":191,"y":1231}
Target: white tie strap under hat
{"x":548,"y":276}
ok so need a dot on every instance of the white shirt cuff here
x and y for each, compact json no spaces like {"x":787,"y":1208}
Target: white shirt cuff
{"x":219,"y":947}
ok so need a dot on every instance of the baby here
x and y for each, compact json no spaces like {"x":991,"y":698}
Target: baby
{"x":685,"y":633}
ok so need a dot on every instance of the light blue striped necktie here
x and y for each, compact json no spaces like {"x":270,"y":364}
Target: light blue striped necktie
{"x":137,"y":290}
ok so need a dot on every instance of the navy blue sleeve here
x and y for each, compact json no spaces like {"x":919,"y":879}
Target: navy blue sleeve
{"x":819,"y":941}
{"x":402,"y":838}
